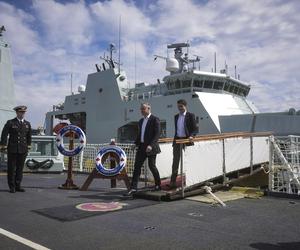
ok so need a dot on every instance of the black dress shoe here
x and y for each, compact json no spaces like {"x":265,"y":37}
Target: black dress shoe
{"x":12,"y":190}
{"x":20,"y":189}
{"x":131,"y":192}
{"x":171,"y":185}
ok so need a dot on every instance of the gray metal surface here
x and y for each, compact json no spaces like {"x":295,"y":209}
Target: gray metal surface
{"x":267,"y":223}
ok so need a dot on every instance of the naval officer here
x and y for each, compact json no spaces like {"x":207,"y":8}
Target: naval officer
{"x":19,"y":131}
{"x":147,"y":147}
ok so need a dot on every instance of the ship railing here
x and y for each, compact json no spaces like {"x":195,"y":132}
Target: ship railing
{"x":284,"y":177}
{"x":212,"y":156}
{"x":85,"y":161}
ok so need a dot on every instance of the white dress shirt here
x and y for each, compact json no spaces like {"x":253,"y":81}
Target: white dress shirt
{"x":180,"y":125}
{"x":144,"y":127}
{"x":20,"y":121}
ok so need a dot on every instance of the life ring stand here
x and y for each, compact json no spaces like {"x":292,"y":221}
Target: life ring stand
{"x":113,"y":151}
{"x":60,"y":143}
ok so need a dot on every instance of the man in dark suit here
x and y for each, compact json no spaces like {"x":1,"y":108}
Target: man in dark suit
{"x":147,"y":146}
{"x":19,"y":131}
{"x":185,"y":128}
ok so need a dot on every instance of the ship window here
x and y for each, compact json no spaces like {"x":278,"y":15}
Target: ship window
{"x":208,"y":84}
{"x":198,"y":83}
{"x":218,"y":85}
{"x":226,"y":86}
{"x":100,"y":90}
{"x":231,"y":89}
{"x":177,"y":84}
{"x":140,"y":96}
{"x":236,"y":89}
{"x":171,"y":85}
{"x":186,"y":84}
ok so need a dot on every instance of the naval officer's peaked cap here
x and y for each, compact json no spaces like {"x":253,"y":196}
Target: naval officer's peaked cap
{"x":21,"y":108}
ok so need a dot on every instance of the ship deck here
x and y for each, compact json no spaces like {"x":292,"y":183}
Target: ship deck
{"x":47,"y":216}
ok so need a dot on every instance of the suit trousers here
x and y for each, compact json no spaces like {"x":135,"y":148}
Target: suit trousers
{"x":15,"y":165}
{"x":176,"y":159}
{"x":140,"y":157}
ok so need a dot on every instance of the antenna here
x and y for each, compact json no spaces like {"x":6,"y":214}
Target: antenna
{"x":2,"y":29}
{"x":235,"y":71}
{"x":71,"y":83}
{"x":119,"y":44}
{"x":135,"y":63}
{"x":226,"y":68}
{"x":215,"y":62}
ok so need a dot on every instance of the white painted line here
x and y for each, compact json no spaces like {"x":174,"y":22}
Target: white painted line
{"x":22,"y":240}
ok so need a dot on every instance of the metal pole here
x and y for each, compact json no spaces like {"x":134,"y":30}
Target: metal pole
{"x":181,"y":169}
{"x":251,"y":154}
{"x":81,"y":161}
{"x":271,"y":173}
{"x":224,"y":162}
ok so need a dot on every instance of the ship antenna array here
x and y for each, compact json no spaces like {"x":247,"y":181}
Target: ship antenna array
{"x":2,"y":29}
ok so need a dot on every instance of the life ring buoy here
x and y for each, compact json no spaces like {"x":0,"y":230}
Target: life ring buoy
{"x":60,"y":143}
{"x":118,"y":153}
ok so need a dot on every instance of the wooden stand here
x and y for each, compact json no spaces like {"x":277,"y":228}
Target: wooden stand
{"x":96,"y":175}
{"x":69,"y":184}
{"x":113,"y":179}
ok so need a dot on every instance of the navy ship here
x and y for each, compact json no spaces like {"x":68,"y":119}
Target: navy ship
{"x":107,"y":108}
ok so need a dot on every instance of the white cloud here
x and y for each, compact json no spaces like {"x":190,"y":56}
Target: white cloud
{"x":134,"y":24}
{"x":53,"y":39}
{"x":64,"y":25}
{"x":17,"y":24}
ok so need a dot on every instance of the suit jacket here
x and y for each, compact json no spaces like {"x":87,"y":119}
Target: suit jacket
{"x":151,"y":135}
{"x":19,"y":136}
{"x":190,"y":126}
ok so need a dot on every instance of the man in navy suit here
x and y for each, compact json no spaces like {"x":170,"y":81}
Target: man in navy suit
{"x":147,"y":146}
{"x":185,"y":128}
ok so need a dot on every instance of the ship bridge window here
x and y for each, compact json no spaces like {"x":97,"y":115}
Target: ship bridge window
{"x":198,"y":83}
{"x":177,"y":84}
{"x":186,"y":84}
{"x":171,"y":85}
{"x":226,"y":86}
{"x":208,"y":84}
{"x":231,"y":89}
{"x":218,"y":85}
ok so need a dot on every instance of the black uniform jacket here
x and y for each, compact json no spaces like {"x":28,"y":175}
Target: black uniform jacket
{"x":19,"y":136}
{"x":190,"y":126}
{"x":151,"y":135}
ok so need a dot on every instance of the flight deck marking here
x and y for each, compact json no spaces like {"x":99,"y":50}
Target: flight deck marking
{"x":22,"y":240}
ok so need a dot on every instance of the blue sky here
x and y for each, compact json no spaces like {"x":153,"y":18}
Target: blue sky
{"x":52,"y":39}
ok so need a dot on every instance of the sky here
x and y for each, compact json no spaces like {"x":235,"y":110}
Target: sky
{"x":54,"y":39}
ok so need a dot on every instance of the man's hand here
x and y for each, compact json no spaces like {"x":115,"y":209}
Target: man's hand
{"x":148,"y":149}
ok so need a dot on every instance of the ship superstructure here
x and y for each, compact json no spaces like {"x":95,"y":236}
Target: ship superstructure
{"x":106,"y":108}
{"x":7,"y":96}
